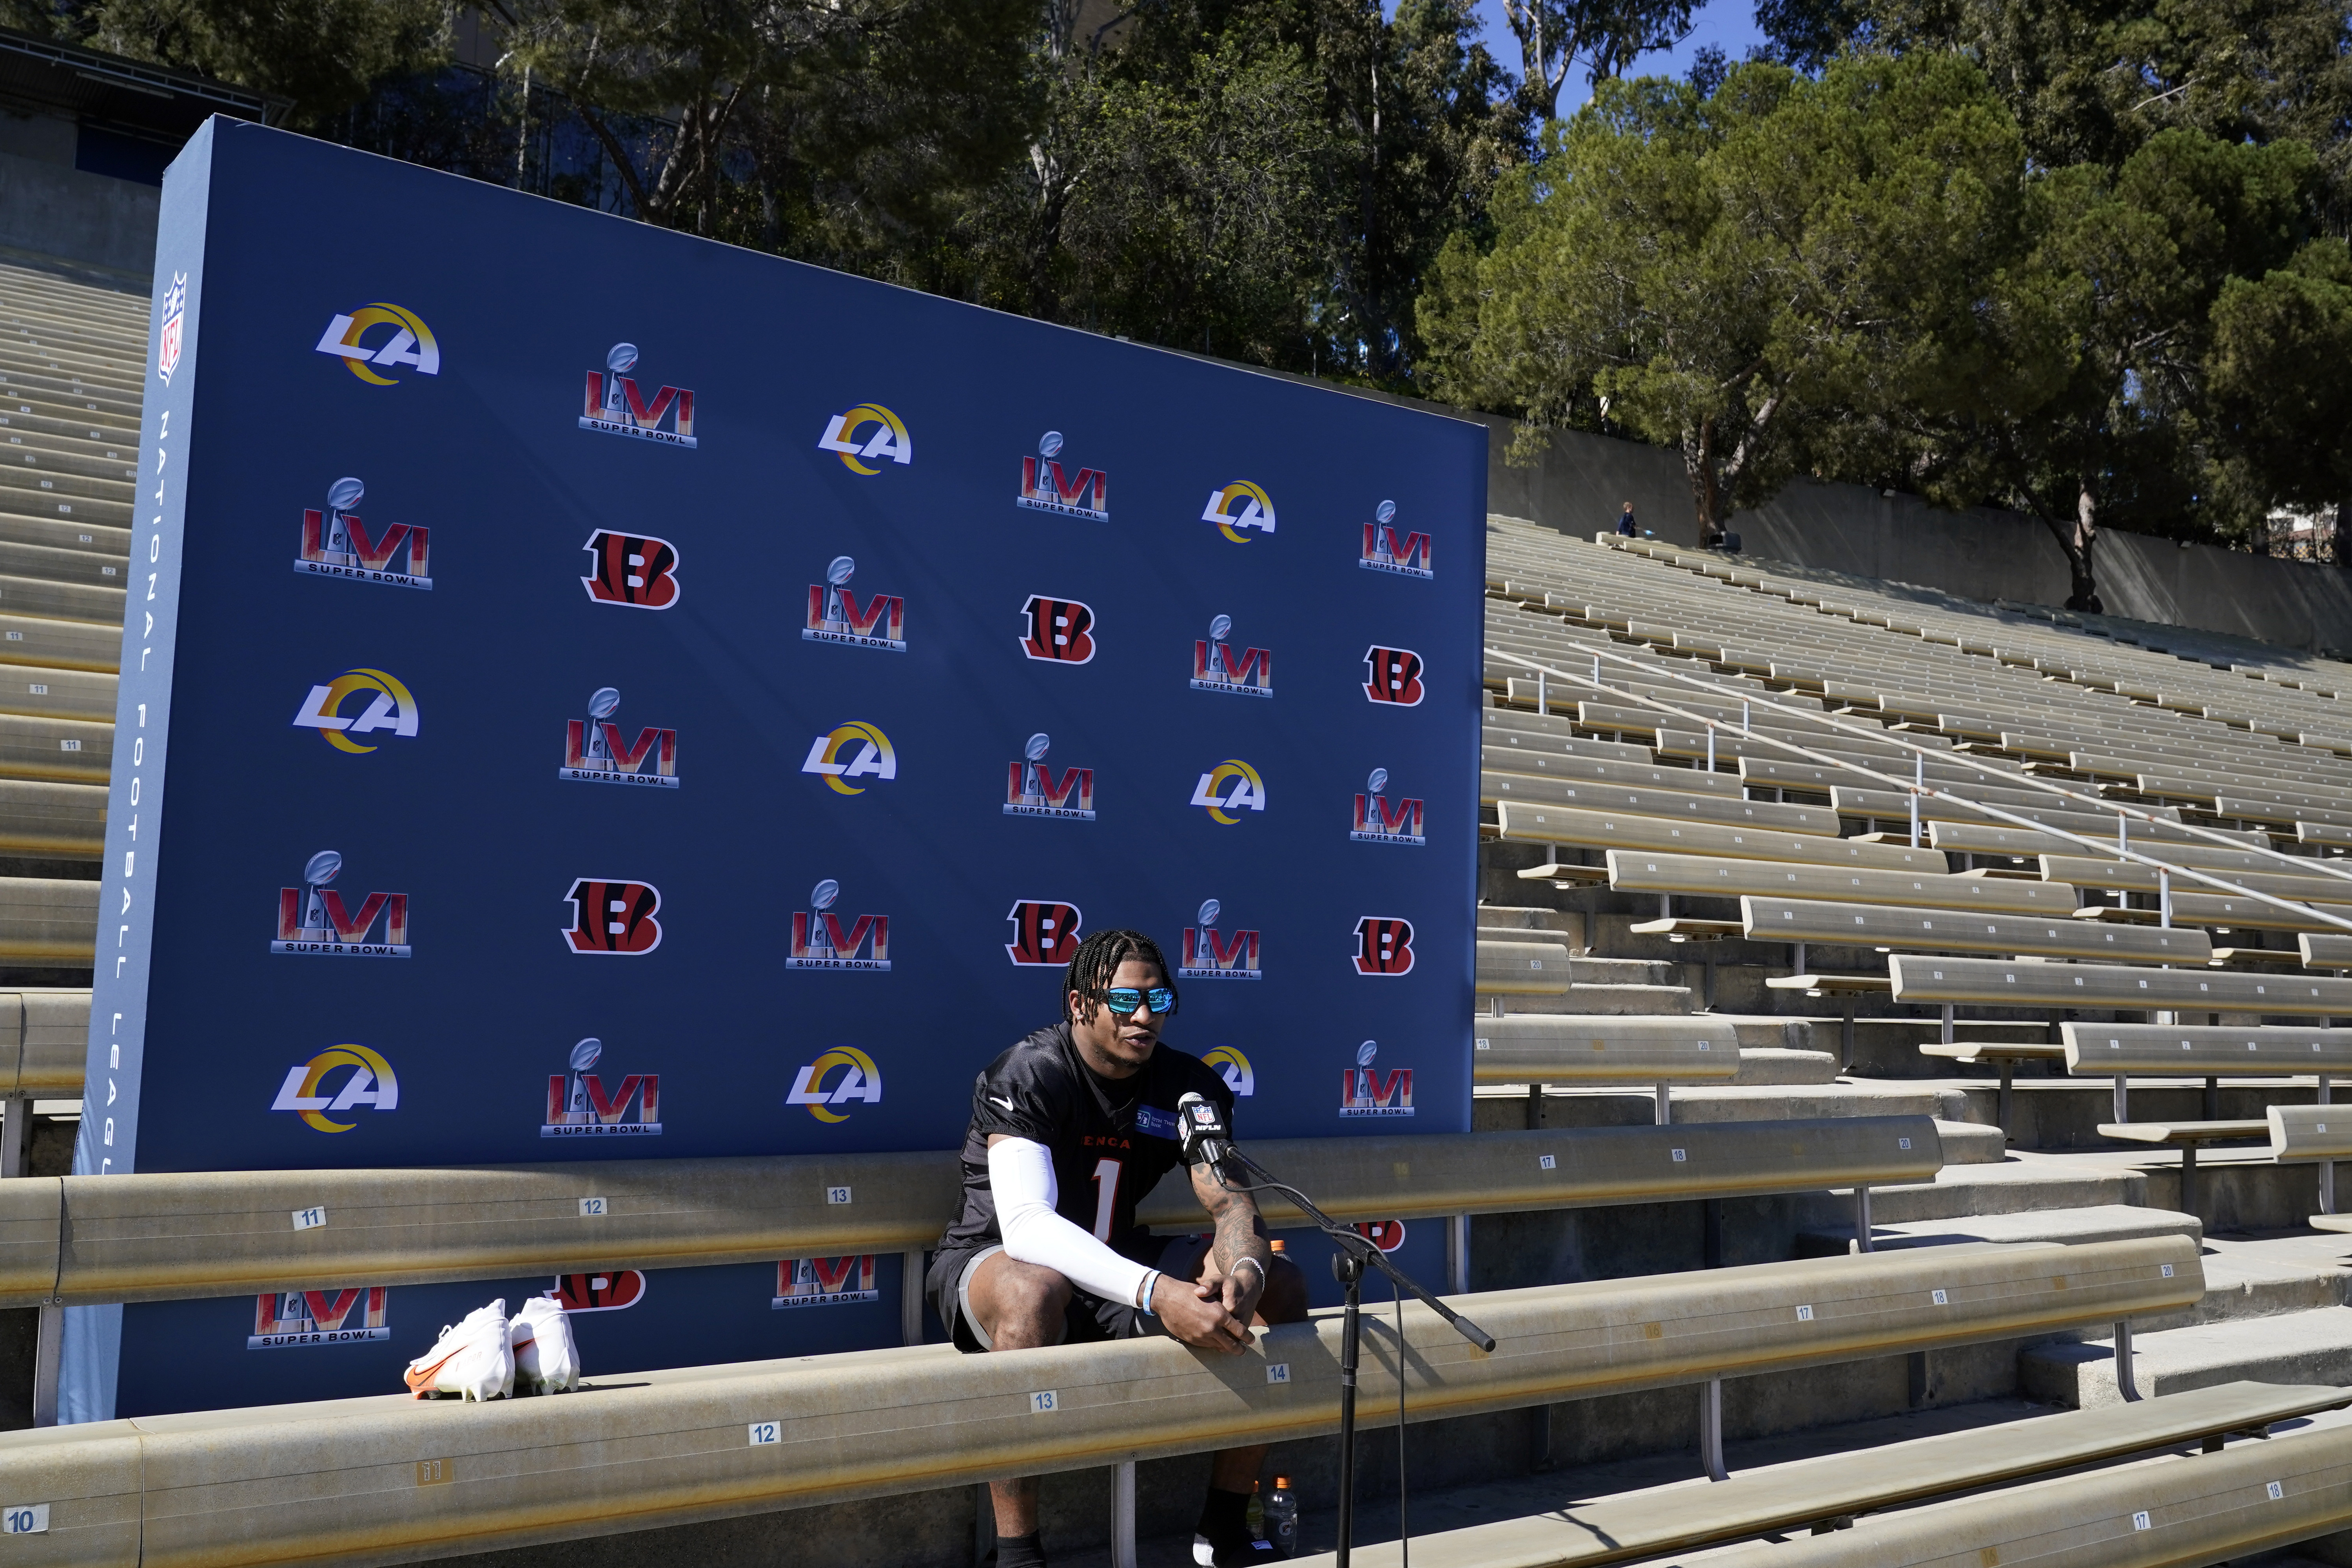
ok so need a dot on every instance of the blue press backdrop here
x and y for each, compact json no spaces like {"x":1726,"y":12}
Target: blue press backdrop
{"x":273,"y":237}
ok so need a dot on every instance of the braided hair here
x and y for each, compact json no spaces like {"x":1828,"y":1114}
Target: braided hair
{"x":1097,"y":961}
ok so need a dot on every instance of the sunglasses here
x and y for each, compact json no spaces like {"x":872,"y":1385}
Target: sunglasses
{"x":1125,"y":999}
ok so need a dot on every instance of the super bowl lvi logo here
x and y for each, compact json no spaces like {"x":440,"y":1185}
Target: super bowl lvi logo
{"x":1216,"y":668}
{"x":593,"y":751}
{"x":1385,"y":552}
{"x":579,"y":1106}
{"x":336,"y":543}
{"x":1030,"y":789}
{"x":1378,"y":821}
{"x":315,"y":920}
{"x":615,"y":407}
{"x":834,"y":616}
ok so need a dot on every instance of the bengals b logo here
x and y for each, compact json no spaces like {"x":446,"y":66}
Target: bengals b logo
{"x":631,"y":569}
{"x":613,"y":917}
{"x":1384,"y":946}
{"x":1056,"y":630}
{"x":1042,"y":933}
{"x":1393,"y":675}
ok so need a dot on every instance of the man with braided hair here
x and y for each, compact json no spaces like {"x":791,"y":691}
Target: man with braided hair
{"x":1069,"y":1129}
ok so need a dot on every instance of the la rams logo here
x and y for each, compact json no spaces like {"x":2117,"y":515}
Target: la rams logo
{"x":390,"y":707}
{"x":1237,"y":506}
{"x":372,"y":1083}
{"x":1232,"y":785}
{"x":868,"y":432}
{"x":1234,"y":1068}
{"x":862,"y":1083}
{"x":410,"y":343}
{"x":855,"y":750}
{"x":1044,"y":932}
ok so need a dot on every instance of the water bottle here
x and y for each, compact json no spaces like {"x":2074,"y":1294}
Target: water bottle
{"x":1282,"y":1518}
{"x":1253,"y":1515}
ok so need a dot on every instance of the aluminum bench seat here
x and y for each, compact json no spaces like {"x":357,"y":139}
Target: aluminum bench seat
{"x":1822,"y":1491}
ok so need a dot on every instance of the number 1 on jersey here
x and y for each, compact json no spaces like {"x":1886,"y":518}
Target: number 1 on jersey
{"x":1105,"y":1196}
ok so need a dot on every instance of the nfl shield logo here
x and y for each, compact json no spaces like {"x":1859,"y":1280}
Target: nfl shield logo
{"x":167,"y":344}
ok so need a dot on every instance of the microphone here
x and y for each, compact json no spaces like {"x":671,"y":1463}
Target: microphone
{"x":1202,"y":1132}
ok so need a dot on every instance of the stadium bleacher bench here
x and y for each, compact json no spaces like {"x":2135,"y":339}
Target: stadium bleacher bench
{"x":1826,"y":1490}
{"x":1989,"y":982}
{"x":172,"y":1235}
{"x":1521,"y":968}
{"x":1710,"y":876}
{"x":1965,"y":931}
{"x":1676,"y":805}
{"x":2122,"y":1051}
{"x":391,"y":1479}
{"x":1610,"y":830}
{"x":2325,"y":950}
{"x":2207,"y":1508}
{"x":1537,"y":1048}
{"x":2314,"y":1134}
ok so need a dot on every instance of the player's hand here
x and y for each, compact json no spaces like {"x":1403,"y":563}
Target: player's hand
{"x":1237,"y":1292}
{"x":1196,"y":1314}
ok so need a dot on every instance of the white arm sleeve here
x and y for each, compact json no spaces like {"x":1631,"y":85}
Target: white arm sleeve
{"x":1021,"y":1176}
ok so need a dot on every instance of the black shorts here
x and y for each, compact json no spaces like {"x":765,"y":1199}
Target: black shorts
{"x":1087,"y":1319}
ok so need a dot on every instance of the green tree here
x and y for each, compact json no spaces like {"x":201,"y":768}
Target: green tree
{"x":1607,"y":35}
{"x":2099,"y":414}
{"x":2281,"y":399}
{"x":1730,"y":274}
{"x":321,"y":56}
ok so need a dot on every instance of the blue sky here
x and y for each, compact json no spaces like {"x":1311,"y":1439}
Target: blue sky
{"x":1729,"y":25}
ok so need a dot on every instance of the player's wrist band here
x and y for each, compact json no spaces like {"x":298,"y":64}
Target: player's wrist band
{"x":1143,"y":1292}
{"x":1253,"y":1263}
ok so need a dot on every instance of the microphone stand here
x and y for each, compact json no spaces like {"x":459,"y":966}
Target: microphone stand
{"x":1347,"y":1266}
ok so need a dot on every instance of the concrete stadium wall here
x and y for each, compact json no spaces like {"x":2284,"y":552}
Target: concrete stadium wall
{"x":52,"y":210}
{"x":1579,"y":481}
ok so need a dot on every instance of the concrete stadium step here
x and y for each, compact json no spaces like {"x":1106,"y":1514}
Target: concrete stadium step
{"x":50,"y":427}
{"x":86,"y":695}
{"x":50,"y":458}
{"x":1504,"y":1107}
{"x":1780,"y":1065}
{"x":28,"y":473}
{"x":2289,"y":1347}
{"x":64,"y":533}
{"x":2016,"y":1186}
{"x":58,"y":645}
{"x":1615,"y":1001}
{"x":61,"y":601}
{"x":50,"y":563}
{"x":64,"y":750}
{"x":2102,"y":1222}
{"x":1969,"y":1143}
{"x":1596,"y":971}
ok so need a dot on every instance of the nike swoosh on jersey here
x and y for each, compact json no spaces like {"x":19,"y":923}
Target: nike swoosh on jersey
{"x":1000,"y":1100}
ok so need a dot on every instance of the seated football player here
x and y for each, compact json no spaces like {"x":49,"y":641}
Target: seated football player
{"x":1069,"y":1129}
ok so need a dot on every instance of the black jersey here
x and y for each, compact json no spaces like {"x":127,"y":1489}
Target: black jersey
{"x":1111,"y":1139}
